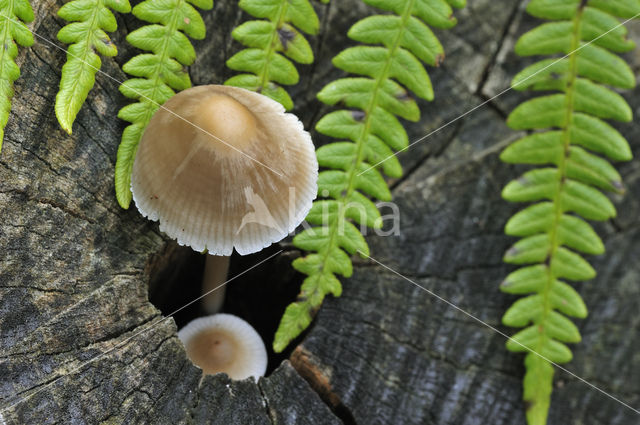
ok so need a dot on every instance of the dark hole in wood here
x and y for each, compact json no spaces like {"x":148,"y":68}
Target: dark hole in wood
{"x":259,"y":296}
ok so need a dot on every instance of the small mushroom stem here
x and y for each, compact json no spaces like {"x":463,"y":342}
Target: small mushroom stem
{"x":215,"y":274}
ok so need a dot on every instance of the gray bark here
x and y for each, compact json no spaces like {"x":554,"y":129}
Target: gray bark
{"x":81,"y":343}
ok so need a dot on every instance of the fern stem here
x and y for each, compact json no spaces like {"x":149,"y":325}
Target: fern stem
{"x":406,"y":14}
{"x":534,"y":417}
{"x":157,"y":80}
{"x":264,"y":72}
{"x":92,"y":29}
{"x":566,"y":133}
{"x":171,"y":28}
{"x":66,"y":115}
{"x":353,"y":171}
{"x":553,"y":232}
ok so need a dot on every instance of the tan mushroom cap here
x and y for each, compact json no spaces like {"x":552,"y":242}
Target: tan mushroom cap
{"x":223,"y":167}
{"x":224,"y":343}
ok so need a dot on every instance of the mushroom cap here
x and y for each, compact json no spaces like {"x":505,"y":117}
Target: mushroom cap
{"x":224,"y":343}
{"x":223,"y":167}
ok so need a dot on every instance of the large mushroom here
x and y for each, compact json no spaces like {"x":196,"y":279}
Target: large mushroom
{"x":224,"y":168}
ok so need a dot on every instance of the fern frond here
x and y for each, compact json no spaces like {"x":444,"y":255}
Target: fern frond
{"x":391,"y":62}
{"x":13,"y":15}
{"x":86,"y":36}
{"x":569,"y":131}
{"x":157,"y":74}
{"x":271,"y":43}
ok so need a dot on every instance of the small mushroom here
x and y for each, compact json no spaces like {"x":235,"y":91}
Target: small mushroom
{"x":224,"y":343}
{"x":224,"y":168}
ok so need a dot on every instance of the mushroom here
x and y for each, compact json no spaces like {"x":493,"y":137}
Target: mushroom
{"x":224,"y":168}
{"x":224,"y":343}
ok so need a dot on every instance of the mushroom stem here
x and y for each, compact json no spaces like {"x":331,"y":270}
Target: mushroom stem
{"x":215,"y":273}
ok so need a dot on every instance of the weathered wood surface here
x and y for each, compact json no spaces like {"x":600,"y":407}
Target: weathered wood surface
{"x":75,"y":344}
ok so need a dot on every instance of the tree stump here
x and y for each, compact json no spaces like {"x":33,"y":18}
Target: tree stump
{"x":81,"y":343}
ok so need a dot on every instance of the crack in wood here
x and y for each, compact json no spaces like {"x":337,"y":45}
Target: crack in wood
{"x":320,"y":381}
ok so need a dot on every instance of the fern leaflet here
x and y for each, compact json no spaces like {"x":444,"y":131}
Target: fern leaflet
{"x":157,"y":74}
{"x":86,"y":36}
{"x":278,"y":32}
{"x":571,"y":128}
{"x":13,"y":31}
{"x":392,"y":68}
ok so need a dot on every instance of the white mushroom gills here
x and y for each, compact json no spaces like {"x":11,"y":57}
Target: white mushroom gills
{"x":224,"y":343}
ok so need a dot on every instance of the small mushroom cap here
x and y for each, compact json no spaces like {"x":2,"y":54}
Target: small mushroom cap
{"x":224,"y":343}
{"x":223,"y":167}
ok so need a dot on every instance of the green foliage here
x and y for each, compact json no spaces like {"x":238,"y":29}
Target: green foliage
{"x":391,"y":62}
{"x":157,"y":74}
{"x":572,"y":130}
{"x":271,"y":43}
{"x":86,"y":34}
{"x":13,"y":31}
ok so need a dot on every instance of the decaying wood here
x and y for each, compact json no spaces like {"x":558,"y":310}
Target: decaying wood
{"x":81,"y":343}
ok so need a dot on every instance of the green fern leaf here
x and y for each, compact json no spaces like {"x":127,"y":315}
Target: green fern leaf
{"x":86,"y":36}
{"x":391,"y":73}
{"x":13,"y":31}
{"x":571,"y":126}
{"x":156,"y":74}
{"x":272,"y":44}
